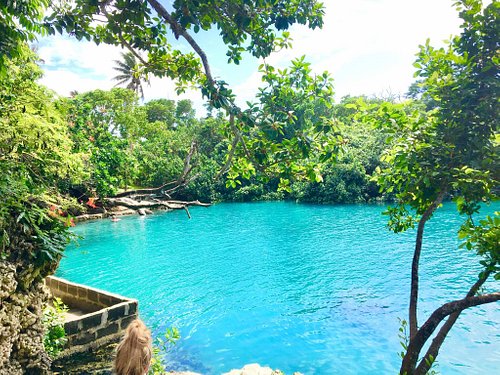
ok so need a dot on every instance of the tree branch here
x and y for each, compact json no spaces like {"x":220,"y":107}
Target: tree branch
{"x":433,"y":351}
{"x":120,"y":36}
{"x":187,"y":163}
{"x":181,"y":181}
{"x":132,"y":50}
{"x":423,"y":334}
{"x":179,"y":30}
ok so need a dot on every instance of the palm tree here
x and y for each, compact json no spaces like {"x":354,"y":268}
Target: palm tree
{"x":130,"y":73}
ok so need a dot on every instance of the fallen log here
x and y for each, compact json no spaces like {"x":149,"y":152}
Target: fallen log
{"x":168,"y":204}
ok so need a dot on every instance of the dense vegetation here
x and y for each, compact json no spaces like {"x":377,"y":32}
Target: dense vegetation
{"x":293,"y":142}
{"x":118,"y":143}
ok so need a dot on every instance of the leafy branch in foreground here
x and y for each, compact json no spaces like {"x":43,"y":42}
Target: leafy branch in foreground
{"x":449,"y":148}
{"x":161,"y":347}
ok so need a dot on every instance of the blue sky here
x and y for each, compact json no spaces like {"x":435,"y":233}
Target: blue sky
{"x":368,"y":46}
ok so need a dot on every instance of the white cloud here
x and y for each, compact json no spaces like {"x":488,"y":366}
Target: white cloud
{"x":368,"y":45}
{"x":71,"y":65}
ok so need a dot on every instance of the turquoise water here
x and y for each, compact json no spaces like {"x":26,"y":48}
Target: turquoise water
{"x":315,"y":289}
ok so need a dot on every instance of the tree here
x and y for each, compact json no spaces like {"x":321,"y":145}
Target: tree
{"x":35,"y":156}
{"x":184,"y":110}
{"x":258,"y":27}
{"x":106,"y":124}
{"x":161,"y":110}
{"x":450,"y":150}
{"x":130,"y":73}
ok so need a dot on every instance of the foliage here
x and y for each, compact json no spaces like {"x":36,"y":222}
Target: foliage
{"x":20,"y":22}
{"x":34,"y":142}
{"x":483,"y":238}
{"x":161,"y":110}
{"x":349,"y":178}
{"x":272,"y":135}
{"x":342,"y":183}
{"x":145,"y":145}
{"x":99,"y":122}
{"x":403,"y":337}
{"x":53,"y":323}
{"x":160,"y":348}
{"x":35,"y":154}
{"x":290,"y":122}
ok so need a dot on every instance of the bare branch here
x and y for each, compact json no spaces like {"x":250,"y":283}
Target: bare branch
{"x":132,"y":50}
{"x":187,"y":163}
{"x":151,"y":191}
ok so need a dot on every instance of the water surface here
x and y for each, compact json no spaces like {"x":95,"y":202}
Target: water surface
{"x":315,"y":289}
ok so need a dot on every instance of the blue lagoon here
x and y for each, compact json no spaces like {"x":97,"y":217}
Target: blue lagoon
{"x":309,"y":288}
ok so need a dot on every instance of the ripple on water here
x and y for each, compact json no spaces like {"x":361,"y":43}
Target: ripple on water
{"x":316,"y":289}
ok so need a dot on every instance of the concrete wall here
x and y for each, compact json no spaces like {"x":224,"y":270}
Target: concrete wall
{"x":96,"y":317}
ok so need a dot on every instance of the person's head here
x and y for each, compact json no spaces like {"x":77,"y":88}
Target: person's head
{"x":133,"y":354}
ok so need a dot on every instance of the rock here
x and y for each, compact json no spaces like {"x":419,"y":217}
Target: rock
{"x":8,"y":282}
{"x":254,"y":369}
{"x":21,"y":330}
{"x":87,"y":217}
{"x":121,"y":211}
{"x":148,"y":212}
{"x":141,"y":211}
{"x":117,"y":209}
{"x":96,"y":210}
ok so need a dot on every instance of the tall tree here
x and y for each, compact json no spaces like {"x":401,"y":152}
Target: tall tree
{"x":450,"y":150}
{"x":130,"y":73}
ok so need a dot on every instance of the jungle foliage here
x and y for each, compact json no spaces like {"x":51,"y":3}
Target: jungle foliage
{"x":128,"y":144}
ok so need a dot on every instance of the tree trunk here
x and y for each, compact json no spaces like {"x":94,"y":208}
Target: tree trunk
{"x":412,"y":311}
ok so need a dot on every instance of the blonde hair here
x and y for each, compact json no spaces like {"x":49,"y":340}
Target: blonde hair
{"x":133,"y":354}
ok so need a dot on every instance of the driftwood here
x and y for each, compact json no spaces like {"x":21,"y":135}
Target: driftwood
{"x":152,"y":204}
{"x":141,"y":201}
{"x":135,"y":205}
